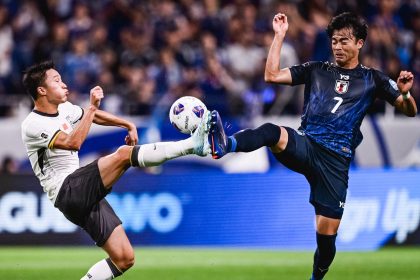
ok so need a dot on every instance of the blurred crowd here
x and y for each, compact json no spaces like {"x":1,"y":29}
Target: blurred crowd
{"x":146,"y":53}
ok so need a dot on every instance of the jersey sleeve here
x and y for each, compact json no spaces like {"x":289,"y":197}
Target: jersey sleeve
{"x":73,"y":111}
{"x":40,"y":136}
{"x":301,"y":73}
{"x":386,"y":88}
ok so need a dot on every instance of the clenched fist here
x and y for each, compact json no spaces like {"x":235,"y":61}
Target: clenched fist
{"x":405,"y":81}
{"x":280,"y":24}
{"x":96,"y":94}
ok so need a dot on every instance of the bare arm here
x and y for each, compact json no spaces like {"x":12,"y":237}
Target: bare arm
{"x":273,"y":72}
{"x":108,"y":119}
{"x":75,"y":139}
{"x":406,"y":105}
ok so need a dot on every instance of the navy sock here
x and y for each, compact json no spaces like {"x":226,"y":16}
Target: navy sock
{"x":252,"y":139}
{"x":324,"y":255}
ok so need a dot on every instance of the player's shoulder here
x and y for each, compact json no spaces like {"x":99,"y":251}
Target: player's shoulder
{"x":32,"y":123}
{"x":30,"y":119}
{"x":372,"y":71}
{"x":307,"y":66}
{"x":378,"y":75}
{"x":323,"y":65}
{"x":314,"y":64}
{"x":36,"y":119}
{"x":65,"y":106}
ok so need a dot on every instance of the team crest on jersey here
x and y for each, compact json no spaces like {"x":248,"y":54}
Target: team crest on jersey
{"x":341,"y":86}
{"x":66,"y":127}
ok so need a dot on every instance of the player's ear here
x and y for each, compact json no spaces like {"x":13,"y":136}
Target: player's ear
{"x":41,"y":91}
{"x":360,"y":43}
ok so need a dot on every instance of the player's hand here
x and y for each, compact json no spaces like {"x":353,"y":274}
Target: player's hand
{"x":405,"y":81}
{"x":96,"y":94}
{"x":132,"y":138}
{"x":280,"y":24}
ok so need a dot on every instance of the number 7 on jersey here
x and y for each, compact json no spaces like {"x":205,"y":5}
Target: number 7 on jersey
{"x":339,"y":101}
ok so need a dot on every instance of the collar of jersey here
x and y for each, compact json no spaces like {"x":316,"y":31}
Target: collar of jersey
{"x":45,"y":114}
{"x":348,"y":70}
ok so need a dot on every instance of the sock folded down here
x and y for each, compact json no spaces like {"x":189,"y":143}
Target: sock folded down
{"x":100,"y":271}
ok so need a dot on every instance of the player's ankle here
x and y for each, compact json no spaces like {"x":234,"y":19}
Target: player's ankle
{"x":231,"y":144}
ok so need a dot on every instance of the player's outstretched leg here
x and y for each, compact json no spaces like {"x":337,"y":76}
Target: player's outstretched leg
{"x":243,"y":141}
{"x":157,"y":153}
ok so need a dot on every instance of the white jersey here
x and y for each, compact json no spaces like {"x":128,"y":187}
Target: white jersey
{"x":39,"y":131}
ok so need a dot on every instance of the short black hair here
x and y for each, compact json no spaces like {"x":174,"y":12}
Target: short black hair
{"x":34,"y":76}
{"x":351,"y":21}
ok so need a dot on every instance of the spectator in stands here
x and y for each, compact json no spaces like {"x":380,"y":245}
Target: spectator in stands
{"x":165,"y":37}
{"x":8,"y":165}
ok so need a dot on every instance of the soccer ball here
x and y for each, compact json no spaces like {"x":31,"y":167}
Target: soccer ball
{"x":186,"y":113}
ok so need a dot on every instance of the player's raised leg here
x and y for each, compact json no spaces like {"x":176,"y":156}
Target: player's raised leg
{"x":247,"y":140}
{"x":111,"y":167}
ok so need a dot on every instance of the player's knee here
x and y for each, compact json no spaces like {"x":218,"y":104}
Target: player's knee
{"x":276,"y":137}
{"x":128,"y":262}
{"x":123,"y":153}
{"x":125,"y":260}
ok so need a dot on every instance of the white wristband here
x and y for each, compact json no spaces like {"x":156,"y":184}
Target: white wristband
{"x":406,"y":96}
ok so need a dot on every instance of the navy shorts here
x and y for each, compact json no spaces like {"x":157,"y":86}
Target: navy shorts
{"x":82,"y":201}
{"x":325,"y":170}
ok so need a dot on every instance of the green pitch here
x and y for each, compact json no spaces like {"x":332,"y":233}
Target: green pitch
{"x":208,"y":264}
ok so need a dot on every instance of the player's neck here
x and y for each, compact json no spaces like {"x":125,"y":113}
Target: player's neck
{"x":45,"y":107}
{"x":349,"y":64}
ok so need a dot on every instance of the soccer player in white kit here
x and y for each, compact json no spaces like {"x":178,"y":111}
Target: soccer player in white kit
{"x":53,"y":133}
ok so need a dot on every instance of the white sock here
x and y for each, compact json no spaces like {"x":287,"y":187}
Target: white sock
{"x":157,"y":153}
{"x":99,"y":271}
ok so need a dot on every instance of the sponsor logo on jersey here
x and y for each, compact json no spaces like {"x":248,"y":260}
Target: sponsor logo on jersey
{"x":344,"y":77}
{"x":341,"y":86}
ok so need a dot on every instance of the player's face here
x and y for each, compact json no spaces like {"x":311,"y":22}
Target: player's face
{"x":56,"y":89}
{"x":346,"y":48}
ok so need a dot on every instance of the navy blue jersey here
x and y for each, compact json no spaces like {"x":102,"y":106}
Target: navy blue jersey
{"x":336,"y":101}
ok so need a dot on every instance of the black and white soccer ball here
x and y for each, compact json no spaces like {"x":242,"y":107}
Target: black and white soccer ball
{"x":186,"y":113}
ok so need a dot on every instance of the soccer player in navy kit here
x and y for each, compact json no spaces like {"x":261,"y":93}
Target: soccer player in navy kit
{"x":337,"y":97}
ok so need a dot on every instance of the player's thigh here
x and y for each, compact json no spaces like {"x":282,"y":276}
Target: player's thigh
{"x":112,"y":166}
{"x":119,"y":248}
{"x":295,"y":153}
{"x":281,"y":145}
{"x":326,"y":225}
{"x":328,"y":178}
